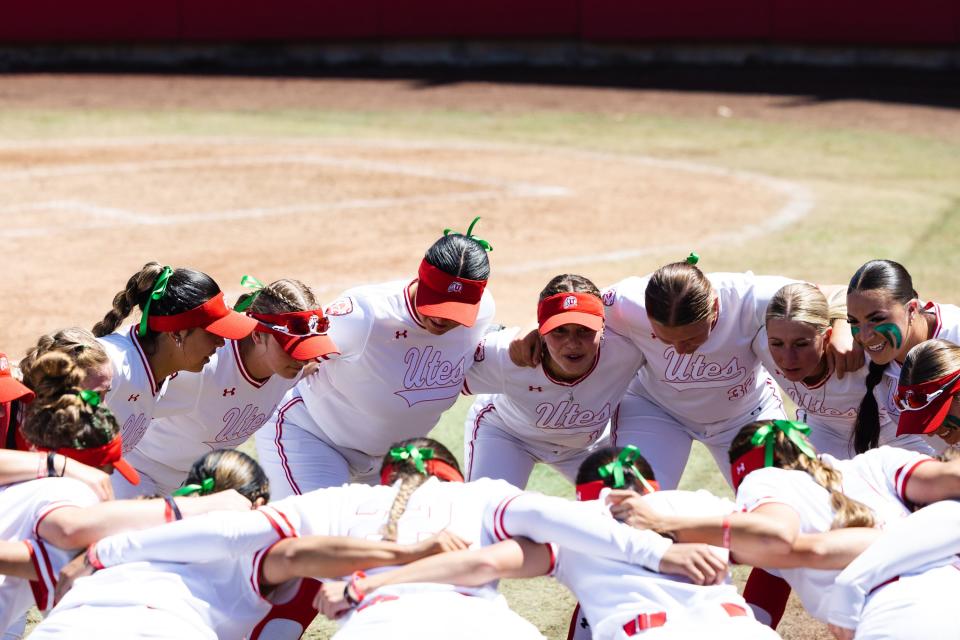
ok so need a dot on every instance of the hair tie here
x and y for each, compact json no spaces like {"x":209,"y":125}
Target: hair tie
{"x":693,"y":258}
{"x":766,"y":436}
{"x":206,"y":486}
{"x":469,"y":234}
{"x":624,"y":460}
{"x":250,"y":283}
{"x":90,"y":397}
{"x":159,"y":288}
{"x":411,"y":452}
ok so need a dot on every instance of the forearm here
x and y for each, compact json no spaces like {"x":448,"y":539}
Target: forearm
{"x":330,"y":557}
{"x":20,"y":466}
{"x":933,"y":481}
{"x":746,"y":532}
{"x":15,"y":560}
{"x":828,"y":551}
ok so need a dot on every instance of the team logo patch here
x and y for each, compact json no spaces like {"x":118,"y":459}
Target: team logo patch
{"x":569,"y":302}
{"x":480,"y":353}
{"x":609,"y":296}
{"x":313,"y":323}
{"x":339,"y":307}
{"x":455,"y":287}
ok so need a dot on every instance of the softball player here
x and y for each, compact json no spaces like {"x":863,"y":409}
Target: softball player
{"x":405,"y":347}
{"x":559,"y":411}
{"x":792,"y":348}
{"x":887,"y":317}
{"x":14,"y":397}
{"x":173,"y":303}
{"x":237,"y":391}
{"x":929,"y":383}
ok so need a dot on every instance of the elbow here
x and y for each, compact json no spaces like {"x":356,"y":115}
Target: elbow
{"x":782,"y":537}
{"x":66,"y":534}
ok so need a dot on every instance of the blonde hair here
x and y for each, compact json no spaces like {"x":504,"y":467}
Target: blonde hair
{"x":231,"y":469}
{"x":76,"y":342}
{"x":800,"y":302}
{"x":928,"y":361}
{"x":281,"y":296}
{"x":679,"y":294}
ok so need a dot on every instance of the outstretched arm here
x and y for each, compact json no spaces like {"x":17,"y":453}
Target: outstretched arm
{"x":20,"y":466}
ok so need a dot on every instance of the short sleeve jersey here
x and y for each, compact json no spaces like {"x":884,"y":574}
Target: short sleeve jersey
{"x":537,"y":407}
{"x":723,"y":379}
{"x":133,"y":395}
{"x":877,"y":478}
{"x":393,"y":378}
{"x":22,"y":507}
{"x":218,"y":408}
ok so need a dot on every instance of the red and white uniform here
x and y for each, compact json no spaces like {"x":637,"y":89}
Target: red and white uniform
{"x":133,"y":395}
{"x":877,"y":478}
{"x":613,"y":595}
{"x":391,"y":382}
{"x":708,"y":395}
{"x":830,"y":407}
{"x":22,"y":507}
{"x":529,"y":416}
{"x":905,"y":584}
{"x":218,"y":408}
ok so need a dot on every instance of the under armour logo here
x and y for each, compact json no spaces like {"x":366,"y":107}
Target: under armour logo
{"x":133,"y":397}
{"x":533,"y":388}
{"x":569,"y":302}
{"x":232,"y":391}
{"x":583,"y":623}
{"x":401,"y":334}
{"x":741,"y":468}
{"x":455,"y":287}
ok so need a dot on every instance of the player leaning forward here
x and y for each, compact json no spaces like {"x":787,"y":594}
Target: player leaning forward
{"x":405,"y":347}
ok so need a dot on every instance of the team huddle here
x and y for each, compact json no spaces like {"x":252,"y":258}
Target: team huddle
{"x":127,"y":512}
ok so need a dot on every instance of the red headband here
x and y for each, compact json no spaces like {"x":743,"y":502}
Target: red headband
{"x":108,"y":454}
{"x":591,"y":490}
{"x":436,"y":468}
{"x":747,"y":463}
{"x":207,"y":313}
{"x":564,"y":308}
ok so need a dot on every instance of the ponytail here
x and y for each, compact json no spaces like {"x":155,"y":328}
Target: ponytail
{"x":866,"y":430}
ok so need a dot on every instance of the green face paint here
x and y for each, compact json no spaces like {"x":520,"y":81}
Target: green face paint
{"x":891,"y":332}
{"x":854,"y":331}
{"x":951,"y":422}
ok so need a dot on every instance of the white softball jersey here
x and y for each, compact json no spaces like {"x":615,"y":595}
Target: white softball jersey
{"x":877,"y":478}
{"x":723,"y":379}
{"x":22,"y":507}
{"x":534,"y":406}
{"x":133,"y":395}
{"x":218,"y":408}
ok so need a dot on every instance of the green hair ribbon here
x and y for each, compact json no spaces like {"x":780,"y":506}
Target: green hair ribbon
{"x":693,"y":258}
{"x":91,"y":397}
{"x":205,"y":487}
{"x":159,"y":288}
{"x":410,"y":452}
{"x":625,"y":460}
{"x":250,"y":283}
{"x":469,"y":234}
{"x":794,"y":431}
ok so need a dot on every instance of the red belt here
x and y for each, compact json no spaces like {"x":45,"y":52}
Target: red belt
{"x":646,"y":621}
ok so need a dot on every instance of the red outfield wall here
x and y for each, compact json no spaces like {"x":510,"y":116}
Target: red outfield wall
{"x":875,"y":22}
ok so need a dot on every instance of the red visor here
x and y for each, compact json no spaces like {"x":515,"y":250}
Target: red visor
{"x":570,"y":308}
{"x":925,"y":406}
{"x":10,"y":388}
{"x":442,"y":295}
{"x":436,"y":468}
{"x":213,"y":316}
{"x":591,"y":490}
{"x":747,"y":463}
{"x":109,"y":453}
{"x":302,"y":334}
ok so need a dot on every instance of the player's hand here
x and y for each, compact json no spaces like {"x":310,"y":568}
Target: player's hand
{"x":90,"y":476}
{"x":696,"y":562}
{"x":843,"y":353}
{"x":840,"y":633}
{"x":526,"y":351}
{"x":76,"y":568}
{"x":440,"y":543}
{"x":330,"y":601}
{"x":629,"y":507}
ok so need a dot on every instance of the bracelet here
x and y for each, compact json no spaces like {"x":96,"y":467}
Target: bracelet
{"x":51,"y":470}
{"x":92,"y":558}
{"x":726,"y":532}
{"x":171,"y":511}
{"x":352,"y":584}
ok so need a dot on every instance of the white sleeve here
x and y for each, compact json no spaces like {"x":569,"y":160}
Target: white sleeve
{"x":624,"y":308}
{"x":208,"y":538}
{"x":762,"y":487}
{"x":486,"y":375}
{"x":929,"y":535}
{"x":897,"y":466}
{"x":761,"y":290}
{"x":578,"y":527}
{"x":350,"y":325}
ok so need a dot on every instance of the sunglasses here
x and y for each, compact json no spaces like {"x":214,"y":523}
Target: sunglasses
{"x":299,"y":326}
{"x":912,"y":400}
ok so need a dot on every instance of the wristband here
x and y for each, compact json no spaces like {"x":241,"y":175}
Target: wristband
{"x":92,"y":558}
{"x":726,"y":532}
{"x":352,"y":584}
{"x":51,"y":471}
{"x":171,"y":511}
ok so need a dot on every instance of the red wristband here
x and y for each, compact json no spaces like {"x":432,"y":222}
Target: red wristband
{"x":358,"y":595}
{"x":92,"y":558}
{"x":726,"y":532}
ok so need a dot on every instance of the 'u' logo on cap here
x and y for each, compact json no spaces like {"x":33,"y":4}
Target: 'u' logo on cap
{"x":569,"y":302}
{"x":455,"y":287}
{"x":4,"y":364}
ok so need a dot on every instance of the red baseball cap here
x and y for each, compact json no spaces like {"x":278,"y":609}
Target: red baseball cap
{"x":213,"y":316}
{"x":302,"y":334}
{"x":570,"y":308}
{"x":923,"y":407}
{"x":442,"y":295}
{"x":10,"y":388}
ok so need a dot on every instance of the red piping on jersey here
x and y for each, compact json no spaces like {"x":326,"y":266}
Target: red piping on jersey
{"x":243,"y":370}
{"x":573,"y":383}
{"x":473,"y":437}
{"x":906,"y":477}
{"x":819,"y":384}
{"x":936,"y":311}
{"x":466,"y":389}
{"x":277,"y":441}
{"x":553,"y":560}
{"x":143,"y":360}
{"x":41,"y":594}
{"x":410,"y":309}
{"x":276,"y":525}
{"x":574,"y":619}
{"x":498,"y":518}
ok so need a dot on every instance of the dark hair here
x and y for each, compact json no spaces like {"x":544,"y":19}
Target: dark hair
{"x":569,"y":283}
{"x":281,"y":296}
{"x":459,"y":256}
{"x":590,"y":469}
{"x":186,"y":289}
{"x":892,"y":278}
{"x":231,"y":469}
{"x":59,"y":417}
{"x":411,"y":478}
{"x":678,"y":294}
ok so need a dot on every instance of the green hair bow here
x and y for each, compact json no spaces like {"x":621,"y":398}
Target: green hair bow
{"x":469,"y":234}
{"x":205,"y":487}
{"x":766,"y":436}
{"x":90,"y":397}
{"x":693,"y":258}
{"x":625,"y":460}
{"x":250,"y":283}
{"x":411,"y":452}
{"x":159,"y":288}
